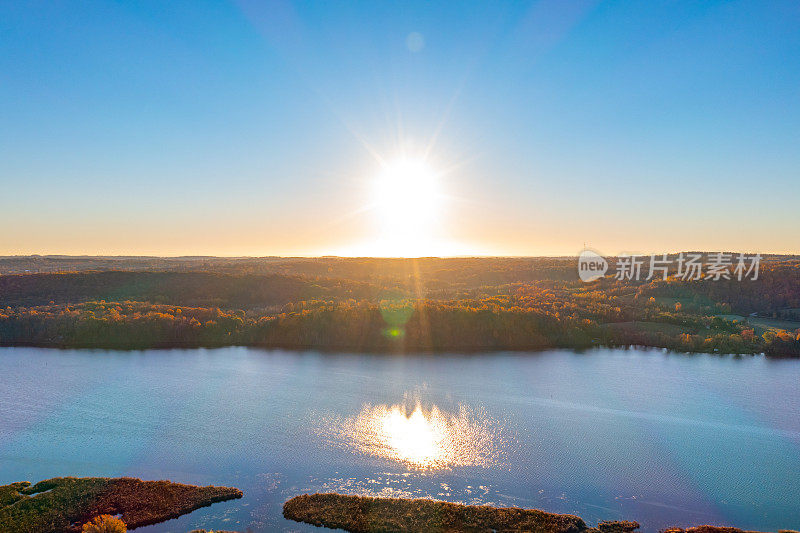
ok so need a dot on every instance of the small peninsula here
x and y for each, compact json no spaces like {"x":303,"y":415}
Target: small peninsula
{"x":64,"y":504}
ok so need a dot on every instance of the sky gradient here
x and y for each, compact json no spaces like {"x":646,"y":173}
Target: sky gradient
{"x":252,"y":128}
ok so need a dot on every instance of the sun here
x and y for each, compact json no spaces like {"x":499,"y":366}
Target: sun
{"x":407,"y":206}
{"x":407,"y":200}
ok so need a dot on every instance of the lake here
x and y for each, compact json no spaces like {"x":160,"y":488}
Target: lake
{"x":662,"y":438}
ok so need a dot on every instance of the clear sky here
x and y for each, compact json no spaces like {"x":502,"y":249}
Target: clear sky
{"x":262,"y":128}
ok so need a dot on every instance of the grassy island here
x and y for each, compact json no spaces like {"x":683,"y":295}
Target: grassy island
{"x":66,"y":503}
{"x":362,"y":514}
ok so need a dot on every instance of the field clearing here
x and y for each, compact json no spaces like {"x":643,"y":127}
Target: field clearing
{"x":652,"y":327}
{"x":761,"y":324}
{"x":774,"y":323}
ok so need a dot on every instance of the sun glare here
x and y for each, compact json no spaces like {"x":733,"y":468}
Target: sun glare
{"x":407,"y":206}
{"x":406,"y":198}
{"x":418,"y":439}
{"x":423,"y":438}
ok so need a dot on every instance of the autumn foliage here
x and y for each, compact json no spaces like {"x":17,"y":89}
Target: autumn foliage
{"x":104,"y":524}
{"x":400,"y":305}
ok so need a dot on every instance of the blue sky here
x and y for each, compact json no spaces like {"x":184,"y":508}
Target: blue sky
{"x":250,"y":128}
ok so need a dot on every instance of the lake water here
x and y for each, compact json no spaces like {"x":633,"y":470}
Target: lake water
{"x":662,"y":438}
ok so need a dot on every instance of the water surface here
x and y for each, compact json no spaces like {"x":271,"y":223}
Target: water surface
{"x":662,"y":438}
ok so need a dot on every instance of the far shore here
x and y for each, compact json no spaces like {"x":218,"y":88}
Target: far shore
{"x":126,"y":347}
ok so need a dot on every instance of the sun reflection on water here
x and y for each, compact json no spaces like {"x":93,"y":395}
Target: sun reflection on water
{"x":423,"y":438}
{"x":418,"y":439}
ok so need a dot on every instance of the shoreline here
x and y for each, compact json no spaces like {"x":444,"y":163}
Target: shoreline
{"x":364,"y":351}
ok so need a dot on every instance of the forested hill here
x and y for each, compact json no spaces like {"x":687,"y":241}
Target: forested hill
{"x":197,"y":289}
{"x":390,"y":305}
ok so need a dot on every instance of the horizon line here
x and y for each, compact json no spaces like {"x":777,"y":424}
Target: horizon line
{"x":145,"y":256}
